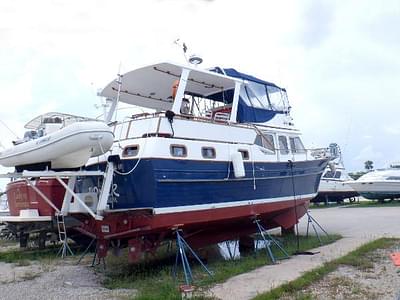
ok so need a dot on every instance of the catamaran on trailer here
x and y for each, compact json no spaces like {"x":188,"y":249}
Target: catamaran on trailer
{"x":218,"y":151}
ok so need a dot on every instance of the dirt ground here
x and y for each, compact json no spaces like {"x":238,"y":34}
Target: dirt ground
{"x":54,"y":280}
{"x":347,"y":282}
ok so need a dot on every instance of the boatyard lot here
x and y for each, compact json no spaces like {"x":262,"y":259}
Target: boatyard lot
{"x":357,"y":226}
{"x":52,"y":278}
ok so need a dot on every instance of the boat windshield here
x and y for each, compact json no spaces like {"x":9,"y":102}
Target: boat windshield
{"x":54,"y":118}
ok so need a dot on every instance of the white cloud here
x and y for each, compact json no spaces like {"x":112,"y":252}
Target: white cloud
{"x":369,"y":153}
{"x":339,"y":61}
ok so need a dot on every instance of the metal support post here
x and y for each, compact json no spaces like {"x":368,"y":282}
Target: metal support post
{"x":232,"y":255}
{"x":86,"y":250}
{"x":181,"y":247}
{"x":313,"y":222}
{"x":268,"y":240}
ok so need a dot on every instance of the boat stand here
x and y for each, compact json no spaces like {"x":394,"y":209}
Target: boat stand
{"x":269,"y":240}
{"x":94,"y":263}
{"x":232,"y":255}
{"x":314,"y":223}
{"x":85,"y":252}
{"x":181,"y":247}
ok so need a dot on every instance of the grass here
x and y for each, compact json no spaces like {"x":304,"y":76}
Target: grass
{"x":375,"y":203}
{"x":153,"y":279}
{"x":356,"y":258}
{"x":22,"y":256}
{"x":357,"y":204}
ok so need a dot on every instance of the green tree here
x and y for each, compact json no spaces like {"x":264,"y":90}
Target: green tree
{"x":369,"y":165}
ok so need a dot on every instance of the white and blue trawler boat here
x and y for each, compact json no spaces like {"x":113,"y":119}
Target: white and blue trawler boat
{"x":218,"y":149}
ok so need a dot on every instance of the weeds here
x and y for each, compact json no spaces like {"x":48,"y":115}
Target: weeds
{"x":357,"y":258}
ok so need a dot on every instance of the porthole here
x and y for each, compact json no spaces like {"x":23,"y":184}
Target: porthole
{"x":245,"y":154}
{"x":178,"y":150}
{"x":208,"y":152}
{"x":130,"y":151}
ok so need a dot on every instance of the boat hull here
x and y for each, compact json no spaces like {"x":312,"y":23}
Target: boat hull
{"x":23,"y":197}
{"x":70,"y":147}
{"x":172,"y":185}
{"x":200,"y":228}
{"x":377,"y":190}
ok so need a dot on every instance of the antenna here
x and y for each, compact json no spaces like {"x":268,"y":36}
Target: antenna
{"x":5,"y":125}
{"x":183,"y":46}
{"x":119,"y":82}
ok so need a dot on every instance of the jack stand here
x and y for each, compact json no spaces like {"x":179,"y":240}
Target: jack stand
{"x":86,"y":251}
{"x":314,"y":222}
{"x":95,"y":256}
{"x":228,"y":246}
{"x":99,"y":260}
{"x":181,"y":247}
{"x":268,"y":241}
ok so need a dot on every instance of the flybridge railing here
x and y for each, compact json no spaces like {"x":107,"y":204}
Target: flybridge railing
{"x":30,"y":178}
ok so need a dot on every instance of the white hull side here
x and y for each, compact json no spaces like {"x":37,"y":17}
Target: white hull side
{"x":70,"y":147}
{"x":376,"y":186}
{"x":327,"y":186}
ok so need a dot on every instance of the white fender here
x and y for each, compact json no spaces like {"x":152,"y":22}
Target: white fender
{"x":238,"y":164}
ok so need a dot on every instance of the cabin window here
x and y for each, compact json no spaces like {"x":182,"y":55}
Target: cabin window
{"x":245,"y":154}
{"x":130,"y":151}
{"x":338,"y":174}
{"x":178,"y":150}
{"x":296,"y":145}
{"x":266,"y":141}
{"x":258,"y":141}
{"x":393,"y":178}
{"x":283,"y":145}
{"x":208,"y":152}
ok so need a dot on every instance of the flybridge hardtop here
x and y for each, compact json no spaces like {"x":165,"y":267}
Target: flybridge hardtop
{"x":252,"y":100}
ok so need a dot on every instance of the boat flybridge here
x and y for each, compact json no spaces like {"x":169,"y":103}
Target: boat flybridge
{"x":218,"y":151}
{"x":379,"y":184}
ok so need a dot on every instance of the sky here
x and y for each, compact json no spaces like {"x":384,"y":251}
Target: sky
{"x":338,"y":60}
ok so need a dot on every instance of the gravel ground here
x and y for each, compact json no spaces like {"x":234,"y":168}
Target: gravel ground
{"x":381,"y":282}
{"x":357,"y":226}
{"x":47,"y":280}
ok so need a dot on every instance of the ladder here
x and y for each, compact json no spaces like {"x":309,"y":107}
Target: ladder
{"x":62,"y":236}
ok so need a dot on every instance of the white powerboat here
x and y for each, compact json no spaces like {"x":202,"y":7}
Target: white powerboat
{"x":58,"y":141}
{"x":380,"y":184}
{"x":333,"y":186}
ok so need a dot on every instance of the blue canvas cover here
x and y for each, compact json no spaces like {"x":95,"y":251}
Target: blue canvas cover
{"x":254,"y":105}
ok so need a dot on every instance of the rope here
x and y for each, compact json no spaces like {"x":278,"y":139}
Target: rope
{"x":139,"y":159}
